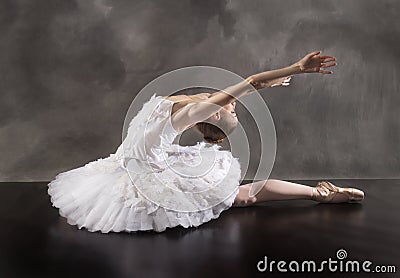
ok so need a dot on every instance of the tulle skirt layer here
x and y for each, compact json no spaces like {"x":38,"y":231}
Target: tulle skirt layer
{"x":104,"y":196}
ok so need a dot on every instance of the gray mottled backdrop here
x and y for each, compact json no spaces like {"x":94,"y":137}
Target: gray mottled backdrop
{"x":69,"y":70}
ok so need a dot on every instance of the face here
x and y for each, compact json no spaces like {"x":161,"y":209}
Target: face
{"x":231,"y":108}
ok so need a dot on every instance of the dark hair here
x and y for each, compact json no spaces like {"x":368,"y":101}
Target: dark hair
{"x":215,"y":131}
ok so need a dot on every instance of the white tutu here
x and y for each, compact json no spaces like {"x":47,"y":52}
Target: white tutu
{"x":105,"y":196}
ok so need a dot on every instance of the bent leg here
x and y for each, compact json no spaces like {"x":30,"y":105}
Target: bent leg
{"x":272,"y":190}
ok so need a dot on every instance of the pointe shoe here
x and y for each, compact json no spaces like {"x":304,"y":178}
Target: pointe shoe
{"x":325,"y":191}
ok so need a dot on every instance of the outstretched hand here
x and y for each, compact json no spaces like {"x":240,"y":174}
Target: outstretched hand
{"x":314,"y":63}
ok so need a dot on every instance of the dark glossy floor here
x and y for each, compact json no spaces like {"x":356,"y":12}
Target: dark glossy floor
{"x":36,"y":242}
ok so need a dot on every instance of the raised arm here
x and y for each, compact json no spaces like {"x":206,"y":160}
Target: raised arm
{"x":311,"y":63}
{"x":200,"y":111}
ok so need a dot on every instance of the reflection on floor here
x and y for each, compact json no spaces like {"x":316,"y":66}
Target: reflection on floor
{"x":36,"y":242}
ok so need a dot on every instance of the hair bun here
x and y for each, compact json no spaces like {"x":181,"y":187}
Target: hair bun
{"x":213,"y":141}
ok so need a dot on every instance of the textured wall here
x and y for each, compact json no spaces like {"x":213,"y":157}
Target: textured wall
{"x":69,"y":70}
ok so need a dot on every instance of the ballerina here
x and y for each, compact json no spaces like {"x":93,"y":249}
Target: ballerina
{"x":145,"y":185}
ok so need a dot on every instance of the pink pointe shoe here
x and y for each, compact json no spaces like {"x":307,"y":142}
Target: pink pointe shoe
{"x":325,"y":192}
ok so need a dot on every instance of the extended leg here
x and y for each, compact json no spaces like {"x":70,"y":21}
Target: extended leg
{"x":283,"y":190}
{"x":273,"y":190}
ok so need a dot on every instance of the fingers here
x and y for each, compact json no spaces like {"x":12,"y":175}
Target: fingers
{"x":327,"y":59}
{"x":313,"y":54}
{"x":325,"y":71}
{"x":328,"y":65}
{"x":314,"y":63}
{"x":316,"y":52}
{"x":286,"y":81}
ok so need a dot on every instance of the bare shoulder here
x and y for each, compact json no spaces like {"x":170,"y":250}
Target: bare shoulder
{"x":181,"y":101}
{"x":178,"y":98}
{"x":182,"y":121}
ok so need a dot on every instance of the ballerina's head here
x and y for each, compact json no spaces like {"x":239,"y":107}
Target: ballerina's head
{"x":216,"y":128}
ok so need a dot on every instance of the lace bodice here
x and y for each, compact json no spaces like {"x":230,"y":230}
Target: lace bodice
{"x":150,"y":132}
